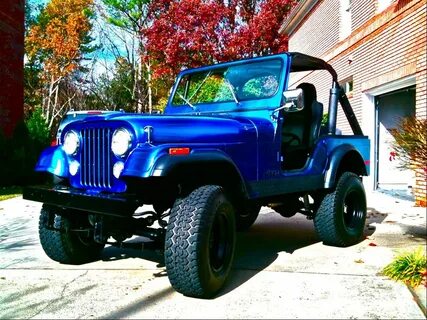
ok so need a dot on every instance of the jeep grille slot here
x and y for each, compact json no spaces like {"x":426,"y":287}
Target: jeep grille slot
{"x":95,"y":158}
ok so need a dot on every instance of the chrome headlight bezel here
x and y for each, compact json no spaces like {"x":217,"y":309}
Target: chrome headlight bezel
{"x":121,"y":142}
{"x":71,"y":143}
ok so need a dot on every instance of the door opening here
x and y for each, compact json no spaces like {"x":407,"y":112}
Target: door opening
{"x":390,"y":108}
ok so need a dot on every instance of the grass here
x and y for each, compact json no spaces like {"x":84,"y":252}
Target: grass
{"x":409,"y":267}
{"x":9,"y":192}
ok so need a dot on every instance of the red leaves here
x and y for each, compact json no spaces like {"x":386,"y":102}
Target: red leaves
{"x":191,"y":33}
{"x":371,"y":244}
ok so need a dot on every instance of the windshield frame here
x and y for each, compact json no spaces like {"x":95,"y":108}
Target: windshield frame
{"x":246,"y":104}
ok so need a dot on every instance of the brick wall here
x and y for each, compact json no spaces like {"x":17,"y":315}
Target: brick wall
{"x":421,"y":187}
{"x":11,"y":63}
{"x":384,"y":48}
{"x":361,"y":11}
{"x":318,"y":34}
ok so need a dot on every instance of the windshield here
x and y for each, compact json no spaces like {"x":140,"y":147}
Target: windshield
{"x":249,"y":81}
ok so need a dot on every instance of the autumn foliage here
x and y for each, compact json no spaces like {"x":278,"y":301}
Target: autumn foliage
{"x":58,"y":36}
{"x":191,"y":33}
{"x":153,"y":39}
{"x":56,"y":42}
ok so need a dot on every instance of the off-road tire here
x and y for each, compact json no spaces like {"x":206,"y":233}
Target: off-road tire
{"x":246,"y":216}
{"x":340,"y":219}
{"x":200,"y":242}
{"x":66,"y":246}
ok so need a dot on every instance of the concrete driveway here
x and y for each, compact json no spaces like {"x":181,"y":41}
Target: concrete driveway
{"x":281,"y":271}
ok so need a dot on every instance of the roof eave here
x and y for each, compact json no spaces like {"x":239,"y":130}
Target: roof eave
{"x":296,"y":16}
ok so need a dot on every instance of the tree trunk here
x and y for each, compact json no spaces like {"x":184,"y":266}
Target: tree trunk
{"x":140,"y":105}
{"x":48,"y":99}
{"x":150,"y":92}
{"x":54,"y":108}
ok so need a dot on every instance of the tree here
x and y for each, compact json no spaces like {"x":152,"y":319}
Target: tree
{"x":190,"y":33}
{"x":32,"y":68}
{"x":260,"y":35}
{"x":133,"y":17}
{"x":115,"y":91}
{"x":58,"y":40}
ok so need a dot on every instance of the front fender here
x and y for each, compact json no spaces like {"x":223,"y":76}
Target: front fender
{"x":213,"y":162}
{"x":141,"y":162}
{"x":53,"y":160}
{"x":167,"y":163}
{"x":156,"y":162}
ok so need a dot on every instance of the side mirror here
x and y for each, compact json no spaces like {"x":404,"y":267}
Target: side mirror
{"x":293,"y":100}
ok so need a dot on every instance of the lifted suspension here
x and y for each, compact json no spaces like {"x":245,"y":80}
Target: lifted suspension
{"x":101,"y":227}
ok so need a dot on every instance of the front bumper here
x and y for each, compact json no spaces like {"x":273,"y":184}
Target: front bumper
{"x":114,"y":204}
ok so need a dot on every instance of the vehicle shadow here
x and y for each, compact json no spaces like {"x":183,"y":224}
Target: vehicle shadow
{"x":373,"y":217}
{"x":257,"y":248}
{"x":112,"y":253}
{"x":260,"y":246}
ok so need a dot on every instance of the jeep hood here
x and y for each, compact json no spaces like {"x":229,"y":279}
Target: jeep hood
{"x":178,"y":129}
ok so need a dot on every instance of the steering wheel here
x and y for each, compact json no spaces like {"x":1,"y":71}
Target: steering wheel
{"x":292,"y":137}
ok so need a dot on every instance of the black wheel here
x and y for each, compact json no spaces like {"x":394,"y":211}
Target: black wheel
{"x":246,"y":216}
{"x":66,"y":246}
{"x":200,"y":242}
{"x":341,"y":216}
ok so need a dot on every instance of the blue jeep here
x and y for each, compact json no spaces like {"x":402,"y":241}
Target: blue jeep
{"x":233,"y":138}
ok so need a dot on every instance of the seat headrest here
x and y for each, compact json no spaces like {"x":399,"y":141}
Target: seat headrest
{"x":309,"y":91}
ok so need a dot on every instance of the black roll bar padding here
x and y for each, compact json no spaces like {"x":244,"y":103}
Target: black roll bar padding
{"x":333,"y":107}
{"x":336,"y":95}
{"x":349,"y":113}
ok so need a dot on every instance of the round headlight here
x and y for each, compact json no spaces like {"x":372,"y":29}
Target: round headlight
{"x":121,"y":142}
{"x":71,"y":143}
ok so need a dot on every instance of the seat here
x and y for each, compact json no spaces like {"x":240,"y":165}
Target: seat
{"x":301,"y":129}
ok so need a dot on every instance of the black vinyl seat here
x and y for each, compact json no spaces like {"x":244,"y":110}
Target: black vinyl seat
{"x":301,"y":129}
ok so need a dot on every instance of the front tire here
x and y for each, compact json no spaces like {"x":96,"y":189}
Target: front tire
{"x":200,"y":242}
{"x":62,"y":244}
{"x":340,"y":219}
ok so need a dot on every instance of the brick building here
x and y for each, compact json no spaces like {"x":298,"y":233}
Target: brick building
{"x":378,"y":48}
{"x":11,"y":63}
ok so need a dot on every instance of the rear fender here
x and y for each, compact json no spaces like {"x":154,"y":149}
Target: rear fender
{"x":344,"y":158}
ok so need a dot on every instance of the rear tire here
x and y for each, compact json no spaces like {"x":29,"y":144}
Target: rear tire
{"x":200,"y":242}
{"x":340,"y":219}
{"x":66,"y":246}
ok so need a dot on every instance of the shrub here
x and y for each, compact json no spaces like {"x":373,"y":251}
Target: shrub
{"x":38,"y":128}
{"x":409,"y":267}
{"x":21,"y":151}
{"x":411,"y":143}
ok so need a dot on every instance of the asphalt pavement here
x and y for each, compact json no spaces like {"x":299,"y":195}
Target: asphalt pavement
{"x":281,"y":270}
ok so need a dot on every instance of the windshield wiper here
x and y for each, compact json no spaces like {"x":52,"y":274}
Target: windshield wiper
{"x":200,"y":85}
{"x":186,"y":101}
{"x":230,"y":86}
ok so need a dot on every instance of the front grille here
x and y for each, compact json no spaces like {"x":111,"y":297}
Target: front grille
{"x":95,"y":158}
